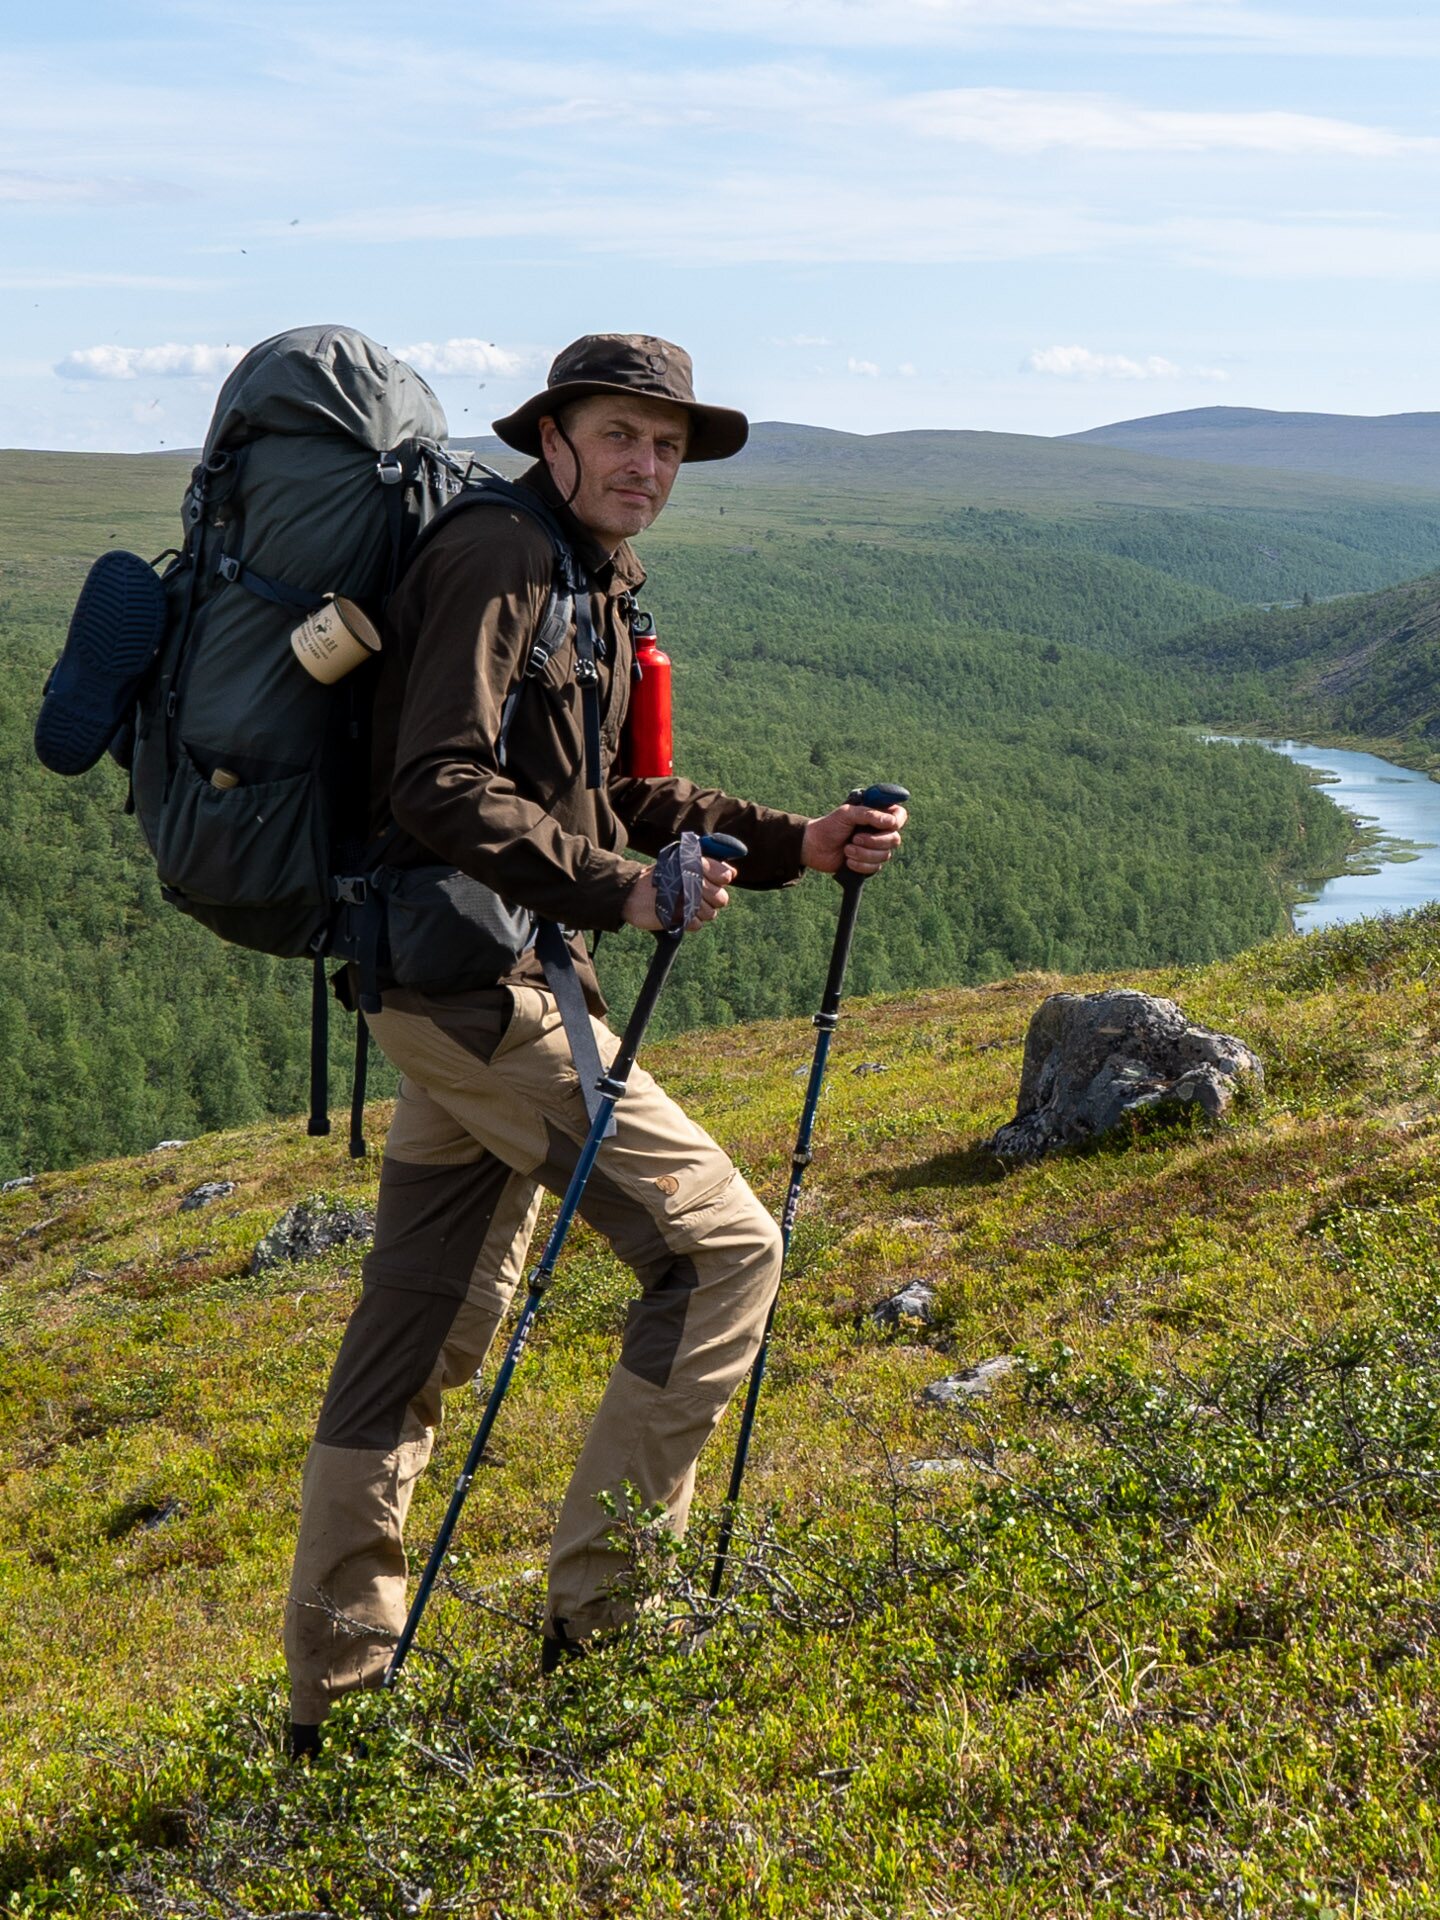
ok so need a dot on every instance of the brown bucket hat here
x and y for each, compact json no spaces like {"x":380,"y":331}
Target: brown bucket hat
{"x":635,"y":363}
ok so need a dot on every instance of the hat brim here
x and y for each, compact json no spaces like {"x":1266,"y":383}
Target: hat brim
{"x":715,"y":432}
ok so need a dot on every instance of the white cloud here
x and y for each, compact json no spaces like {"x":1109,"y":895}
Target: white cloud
{"x":742,"y":217}
{"x":170,"y":362}
{"x":1301,"y":249}
{"x":1212,"y":24}
{"x":40,"y":281}
{"x":47,"y":190}
{"x":1015,"y":120}
{"x":480,"y":358}
{"x":866,"y":369}
{"x":1079,"y":363}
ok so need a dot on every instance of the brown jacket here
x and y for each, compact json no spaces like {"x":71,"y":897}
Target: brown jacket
{"x":458,"y":639}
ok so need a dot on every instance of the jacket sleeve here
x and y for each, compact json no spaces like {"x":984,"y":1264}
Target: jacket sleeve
{"x":654,"y":811}
{"x":473,"y":606}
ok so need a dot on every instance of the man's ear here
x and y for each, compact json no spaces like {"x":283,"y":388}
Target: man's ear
{"x":555,"y":453}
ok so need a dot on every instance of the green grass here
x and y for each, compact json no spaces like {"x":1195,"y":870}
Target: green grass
{"x":1160,"y":1639}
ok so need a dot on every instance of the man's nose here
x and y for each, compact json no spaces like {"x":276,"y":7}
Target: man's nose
{"x":643,"y":456}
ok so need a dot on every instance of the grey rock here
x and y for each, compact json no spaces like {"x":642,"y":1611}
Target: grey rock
{"x":932,"y":1469}
{"x":973,"y":1384}
{"x":164,"y":1146}
{"x":14,"y":1186}
{"x":205,"y":1193}
{"x":913,"y":1302}
{"x":310,"y":1229}
{"x":1093,"y":1059}
{"x":870,"y":1066}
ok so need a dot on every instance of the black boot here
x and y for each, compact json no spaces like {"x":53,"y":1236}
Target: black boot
{"x":558,"y":1647}
{"x":303,"y":1742}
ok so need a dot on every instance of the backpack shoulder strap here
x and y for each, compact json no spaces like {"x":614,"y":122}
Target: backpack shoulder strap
{"x":569,"y":602}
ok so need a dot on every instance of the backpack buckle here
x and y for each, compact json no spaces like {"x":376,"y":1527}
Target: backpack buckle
{"x":351,"y":889}
{"x":228,"y":567}
{"x":587,"y":673}
{"x":390,"y":469}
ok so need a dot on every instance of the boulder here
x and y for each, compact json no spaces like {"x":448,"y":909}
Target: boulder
{"x":1094,"y":1059}
{"x":310,"y":1229}
{"x":205,"y":1194}
{"x":916,"y":1301}
{"x":973,"y":1384}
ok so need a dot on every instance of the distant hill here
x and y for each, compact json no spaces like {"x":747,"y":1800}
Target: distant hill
{"x":1016,"y":469}
{"x":1368,"y":665}
{"x":1393,"y":449}
{"x":1254,"y":535}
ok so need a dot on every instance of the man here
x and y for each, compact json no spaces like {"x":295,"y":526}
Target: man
{"x":490,"y":1109}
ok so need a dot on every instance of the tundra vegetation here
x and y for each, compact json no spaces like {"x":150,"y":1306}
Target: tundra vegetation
{"x":1150,"y":1628}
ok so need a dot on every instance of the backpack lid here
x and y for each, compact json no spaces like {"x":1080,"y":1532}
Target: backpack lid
{"x":311,"y":378}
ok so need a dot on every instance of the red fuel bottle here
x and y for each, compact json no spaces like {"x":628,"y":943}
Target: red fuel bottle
{"x":647,"y":725}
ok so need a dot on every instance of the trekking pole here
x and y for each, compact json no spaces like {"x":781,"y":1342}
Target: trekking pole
{"x":826,"y":1020}
{"x":611,"y":1087}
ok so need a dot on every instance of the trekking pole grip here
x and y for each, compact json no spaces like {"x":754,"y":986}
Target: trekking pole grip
{"x":882,"y":796}
{"x":724,"y":846}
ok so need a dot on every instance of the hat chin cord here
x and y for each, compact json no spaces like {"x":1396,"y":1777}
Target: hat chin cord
{"x":574,"y":455}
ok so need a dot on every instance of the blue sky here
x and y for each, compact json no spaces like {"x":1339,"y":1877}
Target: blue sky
{"x":1024,"y":215}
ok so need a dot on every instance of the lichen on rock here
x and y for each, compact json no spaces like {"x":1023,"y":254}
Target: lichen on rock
{"x":1093,"y":1060}
{"x":309,"y":1229}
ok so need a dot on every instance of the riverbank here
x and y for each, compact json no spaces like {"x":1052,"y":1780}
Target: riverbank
{"x":1394,"y":862}
{"x":1398,"y":751}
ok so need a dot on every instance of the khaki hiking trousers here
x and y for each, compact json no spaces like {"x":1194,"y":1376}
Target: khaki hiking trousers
{"x":489,"y":1113}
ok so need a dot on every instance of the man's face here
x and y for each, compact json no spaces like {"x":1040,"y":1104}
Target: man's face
{"x":630,"y":451}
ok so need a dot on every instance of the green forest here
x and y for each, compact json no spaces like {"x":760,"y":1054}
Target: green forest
{"x":1009,"y":667}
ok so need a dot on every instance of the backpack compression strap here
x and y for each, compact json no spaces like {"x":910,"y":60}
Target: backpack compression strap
{"x":395,"y":469}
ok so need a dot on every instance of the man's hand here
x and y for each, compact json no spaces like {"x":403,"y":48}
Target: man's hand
{"x":640,"y":909}
{"x":861,"y":838}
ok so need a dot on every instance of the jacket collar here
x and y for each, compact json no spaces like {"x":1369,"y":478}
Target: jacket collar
{"x":613,"y":573}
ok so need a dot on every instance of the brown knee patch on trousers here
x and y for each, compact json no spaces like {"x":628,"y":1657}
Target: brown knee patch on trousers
{"x":655,"y":1324}
{"x":385,"y":1358}
{"x":431,"y":1222}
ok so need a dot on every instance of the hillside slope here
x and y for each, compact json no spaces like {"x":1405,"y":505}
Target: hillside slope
{"x":1367,"y":665}
{"x":1149,"y":1630}
{"x":1396,"y":449}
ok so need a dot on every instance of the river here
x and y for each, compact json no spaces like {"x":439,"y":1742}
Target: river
{"x":1402,"y":806}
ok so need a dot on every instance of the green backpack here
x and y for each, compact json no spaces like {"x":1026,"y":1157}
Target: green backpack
{"x":249,"y":776}
{"x":324,"y":460}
